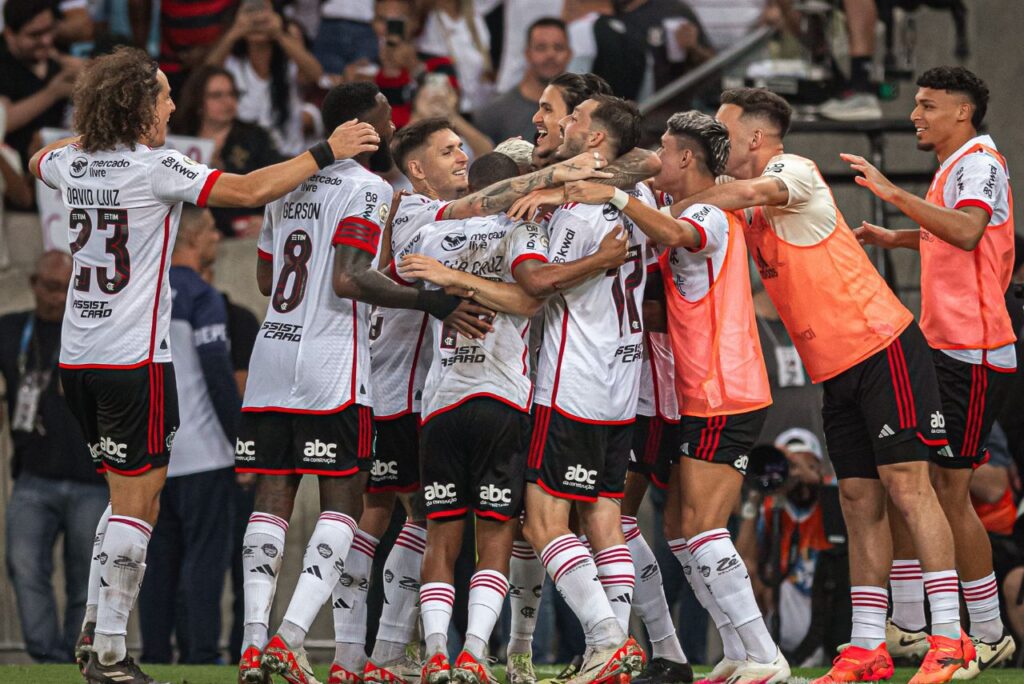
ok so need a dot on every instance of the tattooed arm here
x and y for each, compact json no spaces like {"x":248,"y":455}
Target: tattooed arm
{"x":499,"y":196}
{"x":631,"y":168}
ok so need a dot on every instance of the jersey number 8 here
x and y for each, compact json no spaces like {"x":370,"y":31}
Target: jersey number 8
{"x":298,"y":248}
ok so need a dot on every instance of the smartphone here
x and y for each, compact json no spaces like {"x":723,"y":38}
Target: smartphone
{"x":396,"y":28}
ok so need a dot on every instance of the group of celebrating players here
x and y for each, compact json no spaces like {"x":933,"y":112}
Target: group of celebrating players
{"x":445,"y":396}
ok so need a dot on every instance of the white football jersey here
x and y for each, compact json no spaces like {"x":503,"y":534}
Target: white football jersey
{"x":592,"y":353}
{"x":657,"y":376}
{"x":400,"y":338}
{"x":125,"y":205}
{"x":497,"y":366}
{"x":312,"y":353}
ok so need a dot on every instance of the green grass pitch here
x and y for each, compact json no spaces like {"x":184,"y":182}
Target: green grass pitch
{"x":199,"y":674}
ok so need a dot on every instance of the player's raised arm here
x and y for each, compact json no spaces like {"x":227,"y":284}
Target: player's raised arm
{"x":271,"y":182}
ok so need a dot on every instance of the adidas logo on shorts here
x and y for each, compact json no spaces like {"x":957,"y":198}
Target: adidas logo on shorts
{"x":886,"y":431}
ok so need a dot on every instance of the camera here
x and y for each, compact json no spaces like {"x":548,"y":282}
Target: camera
{"x":768,"y":469}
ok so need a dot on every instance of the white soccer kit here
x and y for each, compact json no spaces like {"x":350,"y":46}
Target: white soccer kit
{"x":591,"y":356}
{"x":497,"y":366}
{"x":312,"y":352}
{"x":400,"y":338}
{"x":125,"y":206}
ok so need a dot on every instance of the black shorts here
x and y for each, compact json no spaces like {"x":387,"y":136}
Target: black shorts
{"x":721,"y":439}
{"x":655,"y":449}
{"x":281,"y":443}
{"x":474,"y":456}
{"x":972,"y":395}
{"x":884,"y":410}
{"x":128,"y":416}
{"x":396,"y":456}
{"x":571,"y":459}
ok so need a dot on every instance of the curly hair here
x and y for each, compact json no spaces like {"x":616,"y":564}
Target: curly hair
{"x":115,"y":99}
{"x":711,"y":136}
{"x":956,"y":79}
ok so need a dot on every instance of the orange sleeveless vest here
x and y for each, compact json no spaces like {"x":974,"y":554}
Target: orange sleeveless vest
{"x":962,"y":304}
{"x":998,"y":517}
{"x":719,"y":366}
{"x":836,"y":307}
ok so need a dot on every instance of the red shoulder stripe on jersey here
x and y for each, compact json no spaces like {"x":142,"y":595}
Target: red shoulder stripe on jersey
{"x":204,"y":194}
{"x":700,"y":231}
{"x":437,"y":216}
{"x":974,"y":203}
{"x":264,"y":256}
{"x":355,"y":231}
{"x":527,"y":257}
{"x":39,"y":170}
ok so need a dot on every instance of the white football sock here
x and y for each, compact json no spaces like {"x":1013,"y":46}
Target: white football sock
{"x":349,"y":604}
{"x":649,"y":596}
{"x":982,"y":598}
{"x":262,"y":555}
{"x":725,"y":573}
{"x":95,"y":569}
{"x":398,"y":619}
{"x":907,"y":595}
{"x":123,"y":558}
{"x":869,"y":608}
{"x":437,"y":600}
{"x":321,"y":568}
{"x":617,"y":574}
{"x":732,"y":645}
{"x":575,"y":576}
{"x":526,"y":579}
{"x":487,"y":590}
{"x":944,"y":600}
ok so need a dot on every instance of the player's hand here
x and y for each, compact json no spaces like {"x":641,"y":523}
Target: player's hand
{"x":588,"y":192}
{"x":352,"y":138}
{"x":614,"y":247}
{"x":422,"y":267}
{"x":526,"y":207}
{"x":471,"y":320}
{"x":870,"y":234}
{"x":871,"y":178}
{"x":583,"y":165}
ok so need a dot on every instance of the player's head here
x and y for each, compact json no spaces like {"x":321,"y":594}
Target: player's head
{"x":559,"y":98}
{"x":695,"y":144}
{"x":950,"y":104}
{"x":430,"y":155}
{"x":365,"y":102}
{"x":197,"y":236}
{"x":603,"y":123}
{"x":491,"y":168}
{"x":757,"y":120}
{"x":29,"y":29}
{"x":520,"y":151}
{"x":49,"y":283}
{"x":122,"y":99}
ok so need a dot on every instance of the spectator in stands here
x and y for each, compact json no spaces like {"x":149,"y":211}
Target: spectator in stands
{"x":35,"y":81}
{"x":208,"y":108}
{"x":191,"y":540}
{"x":56,"y":488}
{"x":547,"y":55}
{"x":435,"y":97}
{"x":782,"y":555}
{"x":74,"y":24}
{"x":669,"y":33}
{"x":860,"y":100}
{"x":396,"y":24}
{"x":345,"y":34}
{"x":268,"y":58}
{"x":188,"y":30}
{"x":15,"y":186}
{"x":455,"y":29}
